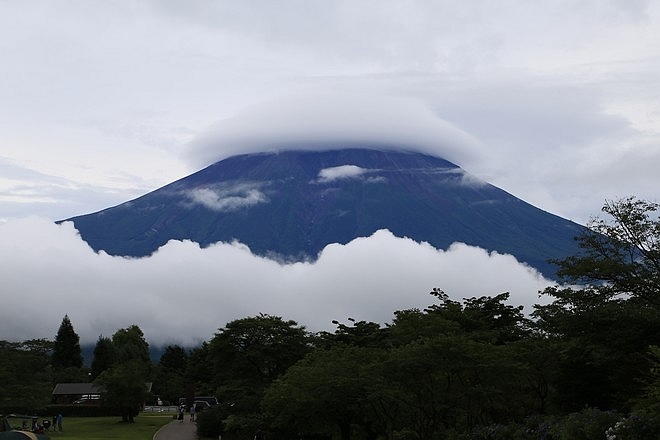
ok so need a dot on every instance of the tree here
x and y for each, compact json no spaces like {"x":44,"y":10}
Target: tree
{"x":358,"y":334}
{"x":125,"y":380}
{"x":324,"y":393}
{"x":600,"y":345}
{"x":174,"y":358}
{"x":25,"y":379}
{"x":247,"y":355}
{"x":261,"y":347}
{"x":169,"y":381}
{"x":66,"y":350}
{"x":104,"y":356}
{"x":605,"y":328}
{"x":130,"y":345}
{"x":621,"y":255}
{"x":452,"y":367}
{"x":485,"y":318}
{"x":200,"y":370}
{"x":125,"y":389}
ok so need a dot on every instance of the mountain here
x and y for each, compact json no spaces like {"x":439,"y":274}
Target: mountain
{"x":291,"y":204}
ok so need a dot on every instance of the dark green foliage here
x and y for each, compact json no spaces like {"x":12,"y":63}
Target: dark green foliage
{"x":210,"y":422}
{"x":201,"y":370}
{"x":104,"y":356}
{"x":169,"y":381}
{"x":325,"y":392}
{"x":623,"y":252}
{"x":25,"y":376}
{"x":446,"y":369}
{"x":125,"y":380}
{"x":125,"y":389}
{"x":247,"y":355}
{"x":359,"y":334}
{"x":66,"y":349}
{"x":174,"y":358}
{"x":601,"y":332}
{"x":262,"y":347}
{"x":129,"y":345}
{"x":588,"y":424}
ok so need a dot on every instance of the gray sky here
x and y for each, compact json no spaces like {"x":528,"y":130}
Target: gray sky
{"x":100,"y":102}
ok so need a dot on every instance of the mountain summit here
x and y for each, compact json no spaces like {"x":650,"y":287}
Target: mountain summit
{"x":290,"y":205}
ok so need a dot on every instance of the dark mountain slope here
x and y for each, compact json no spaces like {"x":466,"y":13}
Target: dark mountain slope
{"x":284,"y":204}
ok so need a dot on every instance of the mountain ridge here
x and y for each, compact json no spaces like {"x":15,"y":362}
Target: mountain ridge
{"x":291,"y":204}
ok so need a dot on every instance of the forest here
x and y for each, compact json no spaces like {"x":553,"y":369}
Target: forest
{"x":583,"y":364}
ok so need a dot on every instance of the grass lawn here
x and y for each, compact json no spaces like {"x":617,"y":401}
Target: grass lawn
{"x":104,"y":428}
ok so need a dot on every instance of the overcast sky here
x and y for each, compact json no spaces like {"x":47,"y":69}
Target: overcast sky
{"x":556,"y":102}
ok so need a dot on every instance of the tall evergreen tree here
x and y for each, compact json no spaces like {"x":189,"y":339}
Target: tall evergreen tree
{"x":66,"y":350}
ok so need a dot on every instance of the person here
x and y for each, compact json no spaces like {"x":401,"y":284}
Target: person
{"x":182,"y":409}
{"x":54,"y":425}
{"x":59,"y":422}
{"x":192,"y":413}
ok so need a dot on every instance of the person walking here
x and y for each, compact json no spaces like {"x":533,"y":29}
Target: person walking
{"x":182,"y":410}
{"x":192,"y":413}
{"x":59,"y":422}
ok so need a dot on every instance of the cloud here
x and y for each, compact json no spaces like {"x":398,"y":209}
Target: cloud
{"x":228,"y":197}
{"x":183,"y":294}
{"x":348,"y":117}
{"x":341,"y":172}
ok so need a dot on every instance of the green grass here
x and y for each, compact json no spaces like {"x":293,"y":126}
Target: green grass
{"x":104,"y":428}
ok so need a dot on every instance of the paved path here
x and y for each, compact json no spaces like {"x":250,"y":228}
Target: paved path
{"x":175,"y":430}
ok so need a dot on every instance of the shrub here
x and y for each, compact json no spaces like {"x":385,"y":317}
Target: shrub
{"x":588,"y":424}
{"x":209,"y":422}
{"x":637,"y":426}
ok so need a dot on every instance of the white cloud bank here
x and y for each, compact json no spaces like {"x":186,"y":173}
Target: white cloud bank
{"x":183,"y":294}
{"x":315,"y":119}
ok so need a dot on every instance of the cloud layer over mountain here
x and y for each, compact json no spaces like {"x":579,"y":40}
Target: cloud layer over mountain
{"x":183,"y":294}
{"x":317,"y":120}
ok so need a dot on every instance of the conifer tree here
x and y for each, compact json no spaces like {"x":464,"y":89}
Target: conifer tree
{"x":66,"y":350}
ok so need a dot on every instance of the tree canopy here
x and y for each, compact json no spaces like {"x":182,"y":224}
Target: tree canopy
{"x":124,"y":381}
{"x":621,"y":253}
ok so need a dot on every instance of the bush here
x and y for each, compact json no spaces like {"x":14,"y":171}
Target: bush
{"x":637,"y":426}
{"x":209,"y":422}
{"x":532,"y":428}
{"x":588,"y":424}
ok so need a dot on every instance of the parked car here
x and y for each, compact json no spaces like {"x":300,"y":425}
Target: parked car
{"x":201,"y":405}
{"x":201,"y":402}
{"x":88,"y":400}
